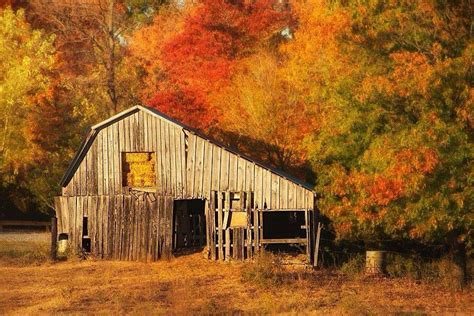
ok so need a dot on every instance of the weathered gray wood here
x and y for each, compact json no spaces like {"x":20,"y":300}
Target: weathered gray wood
{"x":316,"y":246}
{"x":249,"y":225}
{"x":227,"y":231}
{"x":220,"y":236}
{"x":302,"y":241}
{"x":224,"y":173}
{"x":212,"y":225}
{"x":256,"y":230}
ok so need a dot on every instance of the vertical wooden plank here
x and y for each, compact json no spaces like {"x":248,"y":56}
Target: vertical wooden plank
{"x":283,"y":193}
{"x":267,"y":186}
{"x":191,"y":170}
{"x":224,"y":176}
{"x":93,"y":169}
{"x":71,"y":210}
{"x":318,"y":238}
{"x":208,"y":170}
{"x":159,"y":156}
{"x":127,"y":226}
{"x":105,"y":226}
{"x":242,"y":243}
{"x":227,"y":231}
{"x":89,"y":180}
{"x":178,"y":152}
{"x":249,"y":177}
{"x":91,"y":220}
{"x":233,"y":174}
{"x":238,"y":251}
{"x":111,"y":227}
{"x":275,"y":187}
{"x":172,"y":157}
{"x":105,"y":157}
{"x":154,"y":221}
{"x":79,"y":218}
{"x":116,"y":226}
{"x":198,"y":174}
{"x":58,"y":212}
{"x":308,"y":234}
{"x":141,"y":224}
{"x":145,"y":128}
{"x":249,"y":225}
{"x":215,"y":167}
{"x":117,"y":160}
{"x":241,"y":174}
{"x":220,"y":239}
{"x":136,"y":132}
{"x":258,"y":187}
{"x":111,"y":160}
{"x":138,"y":217}
{"x":256,"y":231}
{"x":183,"y":150}
{"x":169,"y":175}
{"x":212,"y":225}
{"x":169,"y":228}
{"x":100,"y":164}
{"x":260,"y":230}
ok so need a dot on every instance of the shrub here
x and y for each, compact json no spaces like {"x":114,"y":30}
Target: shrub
{"x":354,"y":266}
{"x":24,"y":253}
{"x":443,"y":271}
{"x":266,"y":270}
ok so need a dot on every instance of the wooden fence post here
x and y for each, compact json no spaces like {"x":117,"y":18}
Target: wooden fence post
{"x":316,"y":247}
{"x":54,"y":237}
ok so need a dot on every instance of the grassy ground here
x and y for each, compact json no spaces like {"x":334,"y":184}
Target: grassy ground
{"x":191,"y":284}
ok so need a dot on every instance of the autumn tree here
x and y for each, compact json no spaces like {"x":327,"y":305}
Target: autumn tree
{"x":394,"y":150}
{"x":263,"y":108}
{"x":26,"y":58}
{"x":198,"y":61}
{"x":91,"y":38}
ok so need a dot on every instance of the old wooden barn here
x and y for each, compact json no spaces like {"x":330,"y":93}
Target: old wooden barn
{"x":143,"y":186}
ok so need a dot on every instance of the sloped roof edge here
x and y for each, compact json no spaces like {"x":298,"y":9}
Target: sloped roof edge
{"x":87,"y":142}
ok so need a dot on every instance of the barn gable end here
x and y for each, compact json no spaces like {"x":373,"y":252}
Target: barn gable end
{"x":188,"y":165}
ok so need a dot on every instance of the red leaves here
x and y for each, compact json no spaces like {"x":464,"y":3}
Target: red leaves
{"x":185,"y":106}
{"x":200,"y":60}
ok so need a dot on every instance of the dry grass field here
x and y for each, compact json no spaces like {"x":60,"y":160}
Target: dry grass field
{"x":192,"y":285}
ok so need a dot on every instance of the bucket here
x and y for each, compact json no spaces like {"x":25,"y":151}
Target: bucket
{"x":62,"y":245}
{"x":375,"y":262}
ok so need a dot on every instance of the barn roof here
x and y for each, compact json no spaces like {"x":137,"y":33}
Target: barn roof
{"x":94,"y":130}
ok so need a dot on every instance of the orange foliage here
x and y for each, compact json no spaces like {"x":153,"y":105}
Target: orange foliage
{"x":190,"y":64}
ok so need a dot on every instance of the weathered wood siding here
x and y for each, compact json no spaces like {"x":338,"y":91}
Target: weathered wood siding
{"x":187,"y":165}
{"x":124,"y":227}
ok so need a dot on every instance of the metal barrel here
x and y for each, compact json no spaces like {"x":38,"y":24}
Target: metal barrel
{"x":375,"y":262}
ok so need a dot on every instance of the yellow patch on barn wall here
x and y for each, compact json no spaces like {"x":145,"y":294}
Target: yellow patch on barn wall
{"x":138,"y":170}
{"x":238,"y":219}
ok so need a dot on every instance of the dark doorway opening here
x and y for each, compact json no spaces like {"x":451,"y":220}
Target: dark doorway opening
{"x":284,"y":224}
{"x":287,"y":226}
{"x":189,"y":225}
{"x":86,"y":241}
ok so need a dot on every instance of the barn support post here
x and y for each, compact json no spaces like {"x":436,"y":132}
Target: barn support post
{"x":54,"y":237}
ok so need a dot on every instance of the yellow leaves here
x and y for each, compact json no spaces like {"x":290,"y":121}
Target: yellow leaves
{"x":25,"y":58}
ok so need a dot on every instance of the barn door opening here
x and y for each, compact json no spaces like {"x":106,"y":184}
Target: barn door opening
{"x":284,"y":230}
{"x":189,"y":225}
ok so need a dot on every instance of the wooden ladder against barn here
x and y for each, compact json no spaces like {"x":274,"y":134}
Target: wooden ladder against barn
{"x":235,"y":227}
